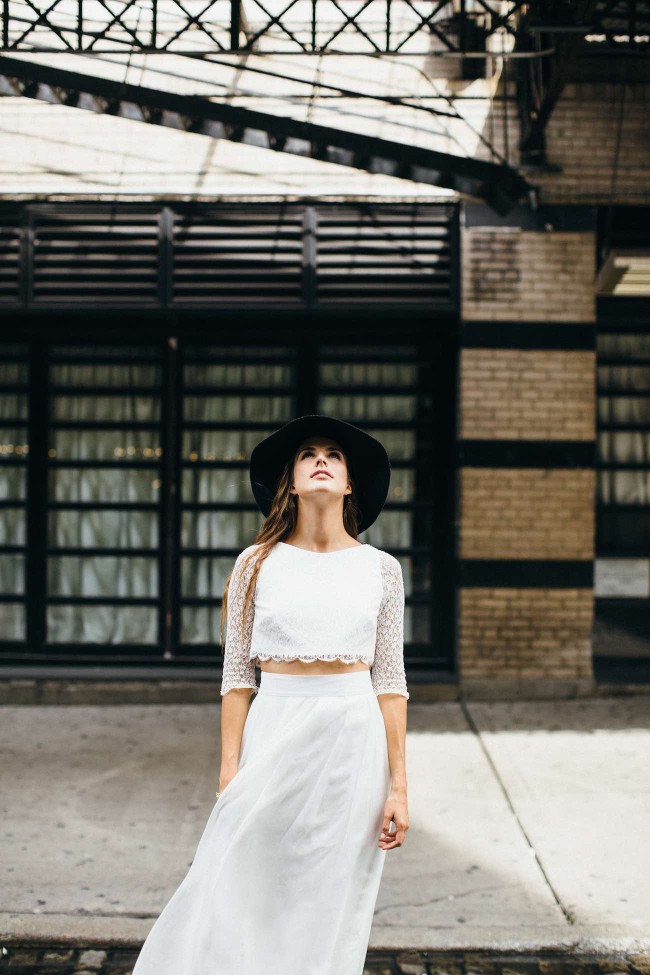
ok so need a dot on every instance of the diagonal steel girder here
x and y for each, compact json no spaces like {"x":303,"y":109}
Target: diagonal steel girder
{"x":498,"y":185}
{"x":557,"y":70}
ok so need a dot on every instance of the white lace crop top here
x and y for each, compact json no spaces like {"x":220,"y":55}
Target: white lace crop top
{"x":346,"y":605}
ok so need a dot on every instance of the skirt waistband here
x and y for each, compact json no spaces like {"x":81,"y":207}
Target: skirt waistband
{"x":304,"y":685}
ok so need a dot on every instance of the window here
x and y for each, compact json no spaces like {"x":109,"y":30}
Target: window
{"x":14,"y":451}
{"x":136,"y":497}
{"x":622,"y":571}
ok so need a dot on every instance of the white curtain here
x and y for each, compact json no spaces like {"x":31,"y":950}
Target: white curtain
{"x":631,"y":446}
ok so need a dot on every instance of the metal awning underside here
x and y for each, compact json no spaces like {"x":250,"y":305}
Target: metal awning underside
{"x":262,"y":73}
{"x":497,"y":184}
{"x":259,"y":72}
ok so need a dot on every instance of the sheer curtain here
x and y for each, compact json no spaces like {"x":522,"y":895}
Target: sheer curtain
{"x":105,"y":453}
{"x":14,"y":406}
{"x":622,"y":571}
{"x":624,"y":401}
{"x":225,"y":389}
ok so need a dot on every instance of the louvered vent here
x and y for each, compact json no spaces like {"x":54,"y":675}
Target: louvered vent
{"x":236,"y":255}
{"x":95,"y":256}
{"x":243,"y":256}
{"x":381,"y":253}
{"x":9,"y":258}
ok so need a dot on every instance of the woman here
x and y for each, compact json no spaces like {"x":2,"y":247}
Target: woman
{"x":285,"y":877}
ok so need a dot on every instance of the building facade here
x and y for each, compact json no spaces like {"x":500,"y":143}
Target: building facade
{"x":154,"y":329}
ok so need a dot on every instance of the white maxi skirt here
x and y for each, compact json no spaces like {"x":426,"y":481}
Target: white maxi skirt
{"x":285,"y":877}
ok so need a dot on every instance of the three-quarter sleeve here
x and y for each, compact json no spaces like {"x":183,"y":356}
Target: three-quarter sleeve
{"x":238,"y":669}
{"x":388,"y":675}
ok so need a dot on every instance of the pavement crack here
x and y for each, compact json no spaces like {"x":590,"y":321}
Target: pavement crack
{"x":568,"y":914}
{"x":445,"y":897}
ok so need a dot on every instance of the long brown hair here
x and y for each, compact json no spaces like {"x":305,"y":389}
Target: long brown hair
{"x":280,"y":524}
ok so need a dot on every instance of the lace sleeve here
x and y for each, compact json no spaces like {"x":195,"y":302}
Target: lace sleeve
{"x":238,"y":669}
{"x":388,"y":676}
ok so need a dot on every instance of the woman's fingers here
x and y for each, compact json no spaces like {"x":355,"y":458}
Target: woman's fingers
{"x":389,"y":840}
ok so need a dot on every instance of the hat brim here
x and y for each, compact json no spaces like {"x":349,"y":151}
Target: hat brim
{"x":367,"y":459}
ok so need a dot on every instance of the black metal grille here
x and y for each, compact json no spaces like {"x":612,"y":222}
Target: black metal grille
{"x":401,"y":254}
{"x":223,"y":254}
{"x":104,"y":498}
{"x":10,"y":261}
{"x":621,"y":637}
{"x":92,"y":257}
{"x":229,"y":256}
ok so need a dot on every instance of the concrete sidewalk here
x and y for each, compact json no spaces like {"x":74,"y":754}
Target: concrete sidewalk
{"x":529,"y":823}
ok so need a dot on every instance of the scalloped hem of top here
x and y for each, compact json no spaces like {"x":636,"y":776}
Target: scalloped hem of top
{"x":311,"y":659}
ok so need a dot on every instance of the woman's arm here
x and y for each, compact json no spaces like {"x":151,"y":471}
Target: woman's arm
{"x":393,"y":708}
{"x":234,"y":709}
{"x":389,"y":683}
{"x":238,"y":675}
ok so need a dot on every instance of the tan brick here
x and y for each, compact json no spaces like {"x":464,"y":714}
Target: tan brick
{"x":539,"y":633}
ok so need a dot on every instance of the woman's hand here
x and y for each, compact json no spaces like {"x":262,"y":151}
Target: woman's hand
{"x":225,"y":777}
{"x":395,"y":810}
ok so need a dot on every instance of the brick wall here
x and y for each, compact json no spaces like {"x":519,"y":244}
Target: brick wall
{"x":511,"y":633}
{"x":581,"y":139}
{"x":534,"y":632}
{"x":525,"y":634}
{"x":526,"y":394}
{"x":583,"y":162}
{"x":514,"y":513}
{"x":516,"y":275}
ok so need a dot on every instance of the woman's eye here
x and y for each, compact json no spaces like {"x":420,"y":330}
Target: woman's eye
{"x":335,"y":453}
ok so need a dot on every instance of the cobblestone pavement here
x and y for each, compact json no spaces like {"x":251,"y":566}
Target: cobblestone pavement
{"x":25,"y":959}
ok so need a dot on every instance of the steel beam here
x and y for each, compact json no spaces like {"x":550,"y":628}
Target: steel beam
{"x":556,"y":69}
{"x":498,"y":185}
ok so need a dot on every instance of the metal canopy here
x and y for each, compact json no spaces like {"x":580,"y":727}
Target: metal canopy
{"x":499,"y":185}
{"x":100,"y":56}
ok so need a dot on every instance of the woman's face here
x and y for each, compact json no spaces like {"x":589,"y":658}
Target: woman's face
{"x":320,"y":468}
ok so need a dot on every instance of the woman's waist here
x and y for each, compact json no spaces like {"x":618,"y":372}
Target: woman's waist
{"x":308,"y":683}
{"x":311,"y":662}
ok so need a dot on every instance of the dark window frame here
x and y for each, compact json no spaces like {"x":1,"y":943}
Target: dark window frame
{"x":435,"y":337}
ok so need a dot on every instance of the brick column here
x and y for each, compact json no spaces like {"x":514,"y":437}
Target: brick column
{"x":526,"y":482}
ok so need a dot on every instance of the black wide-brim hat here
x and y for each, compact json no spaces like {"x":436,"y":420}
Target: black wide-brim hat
{"x":367,"y":459}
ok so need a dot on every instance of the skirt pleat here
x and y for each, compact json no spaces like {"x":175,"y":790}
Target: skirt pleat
{"x":286,"y":874}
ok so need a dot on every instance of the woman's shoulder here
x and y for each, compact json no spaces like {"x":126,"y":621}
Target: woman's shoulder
{"x":245,"y":557}
{"x":250,"y":548}
{"x":386,"y":556}
{"x":390,"y":565}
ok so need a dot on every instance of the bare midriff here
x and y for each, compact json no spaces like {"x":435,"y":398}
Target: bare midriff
{"x":313,"y":667}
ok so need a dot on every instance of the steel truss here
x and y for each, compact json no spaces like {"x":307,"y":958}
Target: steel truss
{"x":446,"y":28}
{"x":191,"y":27}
